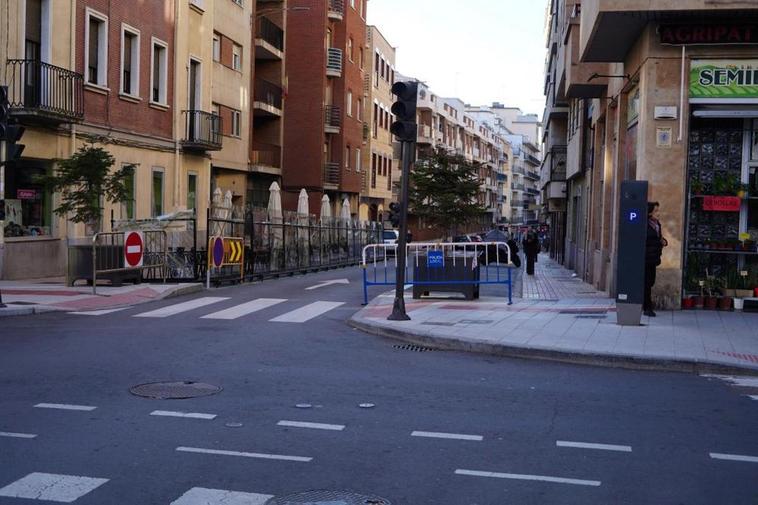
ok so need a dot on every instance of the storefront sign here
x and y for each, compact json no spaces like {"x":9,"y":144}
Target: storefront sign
{"x":724,"y":80}
{"x":709,"y":34}
{"x":722,"y":203}
{"x":26,"y":194}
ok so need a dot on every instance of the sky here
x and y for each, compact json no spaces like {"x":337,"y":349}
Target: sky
{"x":481,"y":51}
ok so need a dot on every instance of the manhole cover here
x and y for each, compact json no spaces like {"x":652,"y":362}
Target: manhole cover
{"x":174,"y":390}
{"x":328,"y":498}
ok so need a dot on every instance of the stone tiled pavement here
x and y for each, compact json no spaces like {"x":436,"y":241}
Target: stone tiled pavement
{"x":562,"y":318}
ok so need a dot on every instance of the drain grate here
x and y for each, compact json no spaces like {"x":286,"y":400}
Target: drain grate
{"x":21,"y":303}
{"x":476,"y":321}
{"x":174,"y":390}
{"x":435,"y":323}
{"x":414,"y":348}
{"x":591,"y":316}
{"x":584,"y":312}
{"x":328,"y":498}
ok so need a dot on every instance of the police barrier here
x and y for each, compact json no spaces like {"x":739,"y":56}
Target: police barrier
{"x":111,"y":255}
{"x":440,"y":266}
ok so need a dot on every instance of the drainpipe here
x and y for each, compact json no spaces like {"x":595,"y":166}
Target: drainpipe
{"x":681,"y":96}
{"x":174,"y":129}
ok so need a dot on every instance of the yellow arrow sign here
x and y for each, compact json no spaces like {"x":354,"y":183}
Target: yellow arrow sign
{"x":235,"y":251}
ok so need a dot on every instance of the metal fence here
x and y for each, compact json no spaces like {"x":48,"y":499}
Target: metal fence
{"x":108,"y":256}
{"x":492,"y":260}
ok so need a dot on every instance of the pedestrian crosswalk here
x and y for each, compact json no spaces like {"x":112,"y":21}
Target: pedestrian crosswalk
{"x":208,"y":308}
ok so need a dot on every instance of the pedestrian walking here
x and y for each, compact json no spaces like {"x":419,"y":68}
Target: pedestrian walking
{"x":654,"y":244}
{"x":531,"y":250}
{"x":513,"y":246}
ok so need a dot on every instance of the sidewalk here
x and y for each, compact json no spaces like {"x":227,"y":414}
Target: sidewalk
{"x":561,"y":318}
{"x":48,"y":295}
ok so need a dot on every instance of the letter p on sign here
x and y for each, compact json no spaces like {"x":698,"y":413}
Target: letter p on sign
{"x":134,"y":247}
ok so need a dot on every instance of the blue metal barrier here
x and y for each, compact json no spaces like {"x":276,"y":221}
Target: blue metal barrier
{"x":427,"y":264}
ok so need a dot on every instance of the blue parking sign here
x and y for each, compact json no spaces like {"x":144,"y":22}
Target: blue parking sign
{"x":434,"y":259}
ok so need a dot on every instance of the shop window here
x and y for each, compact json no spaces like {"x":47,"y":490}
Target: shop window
{"x":28,"y":205}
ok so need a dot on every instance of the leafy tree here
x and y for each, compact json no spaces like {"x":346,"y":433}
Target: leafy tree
{"x":443,"y":191}
{"x":83,"y":179}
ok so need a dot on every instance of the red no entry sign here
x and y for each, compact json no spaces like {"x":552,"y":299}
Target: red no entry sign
{"x":134,"y":247}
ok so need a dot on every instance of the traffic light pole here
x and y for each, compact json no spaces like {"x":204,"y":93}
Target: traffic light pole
{"x":398,"y":308}
{"x":2,"y":213}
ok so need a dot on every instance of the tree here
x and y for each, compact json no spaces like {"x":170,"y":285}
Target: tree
{"x":443,"y":191}
{"x":84,"y":180}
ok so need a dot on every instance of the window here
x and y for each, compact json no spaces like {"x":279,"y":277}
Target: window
{"x":237,"y":57}
{"x":349,"y":104}
{"x":376,"y":118}
{"x":359,"y":111}
{"x":357,"y":160}
{"x":191,"y":191}
{"x":216,"y":47}
{"x":28,"y":204}
{"x":389,"y":177}
{"x":129,"y":61}
{"x":127,"y":208}
{"x":158,"y":76}
{"x":235,"y":131}
{"x":360,"y":57}
{"x":373,"y":170}
{"x":347,"y":158}
{"x":350,"y":48}
{"x":157,"y":192}
{"x":96,"y":50}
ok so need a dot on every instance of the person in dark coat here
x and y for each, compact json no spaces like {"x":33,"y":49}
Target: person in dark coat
{"x":531,"y":250}
{"x":654,"y":245}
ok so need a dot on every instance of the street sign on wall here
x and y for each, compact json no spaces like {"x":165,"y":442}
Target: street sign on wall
{"x":134,"y":249}
{"x":723,"y":81}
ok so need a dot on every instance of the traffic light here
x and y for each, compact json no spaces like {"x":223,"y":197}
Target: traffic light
{"x":395,"y":214}
{"x":10,"y":132}
{"x":404,"y":109}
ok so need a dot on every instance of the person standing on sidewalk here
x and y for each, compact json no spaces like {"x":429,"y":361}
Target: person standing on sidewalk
{"x":531,"y":250}
{"x":654,"y":245}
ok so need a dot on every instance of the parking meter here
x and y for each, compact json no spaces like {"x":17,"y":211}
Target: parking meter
{"x":630,"y":259}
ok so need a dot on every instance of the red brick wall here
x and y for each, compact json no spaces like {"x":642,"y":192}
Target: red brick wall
{"x":304,"y":112}
{"x":153,"y":19}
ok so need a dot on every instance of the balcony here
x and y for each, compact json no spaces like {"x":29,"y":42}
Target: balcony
{"x":202,"y":131}
{"x":502,"y":177}
{"x":519,"y":170}
{"x":269,"y":40}
{"x":529,"y":158}
{"x":554,"y":168}
{"x":556,"y":190}
{"x":267,"y":99}
{"x":534,"y":176}
{"x":334,"y":62}
{"x":336,"y":10}
{"x":424,"y":134}
{"x":332,"y":119}
{"x":40,"y":93}
{"x":517,"y":203}
{"x":331,"y":175}
{"x":266,"y":158}
{"x":517,"y":186}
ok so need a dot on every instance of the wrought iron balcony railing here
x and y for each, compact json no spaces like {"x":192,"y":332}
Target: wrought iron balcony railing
{"x":334,"y":62}
{"x":42,"y":92}
{"x":202,"y":131}
{"x":268,"y":93}
{"x":332,"y":173}
{"x":268,"y":155}
{"x":268,"y":31}
{"x":336,"y":9}
{"x":332,"y":118}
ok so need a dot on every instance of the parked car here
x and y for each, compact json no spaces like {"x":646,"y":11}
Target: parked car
{"x":390,"y":237}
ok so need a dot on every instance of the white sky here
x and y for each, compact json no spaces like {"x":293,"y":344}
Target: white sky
{"x":481,"y":51}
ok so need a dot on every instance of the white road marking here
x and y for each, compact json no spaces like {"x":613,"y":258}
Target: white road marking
{"x":64,"y":406}
{"x":198,"y":450}
{"x":178,"y":308}
{"x":189,"y":415}
{"x":205,"y":496}
{"x":16,"y":435}
{"x":307,"y":313}
{"x":98,"y":312}
{"x":328,"y":283}
{"x":517,"y":476}
{"x":315,"y":426}
{"x":245,"y":309}
{"x":754,"y":397}
{"x":133,"y":249}
{"x":452,"y":436}
{"x":734,"y":457}
{"x":751,"y":382}
{"x":603,"y":447}
{"x":51,"y":487}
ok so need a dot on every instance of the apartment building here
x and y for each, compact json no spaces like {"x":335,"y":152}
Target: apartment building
{"x":325,"y":107}
{"x":382,"y":168}
{"x":664,"y":92}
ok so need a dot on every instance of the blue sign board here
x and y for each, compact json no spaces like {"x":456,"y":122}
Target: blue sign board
{"x":434,"y":259}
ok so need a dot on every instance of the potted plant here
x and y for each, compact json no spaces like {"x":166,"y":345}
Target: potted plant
{"x":688,"y":303}
{"x":711,"y":300}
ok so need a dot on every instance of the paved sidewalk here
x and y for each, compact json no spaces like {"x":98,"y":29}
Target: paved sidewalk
{"x":562,"y":318}
{"x":48,"y":295}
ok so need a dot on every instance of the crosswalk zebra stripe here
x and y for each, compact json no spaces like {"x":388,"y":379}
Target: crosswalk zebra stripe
{"x":244,"y":309}
{"x":51,"y":487}
{"x":205,"y":496}
{"x":178,"y":308}
{"x":307,"y":313}
{"x":98,"y":312}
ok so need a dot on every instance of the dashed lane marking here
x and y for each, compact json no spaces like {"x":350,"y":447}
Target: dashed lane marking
{"x":518,"y":476}
{"x":450,"y":436}
{"x":189,"y":415}
{"x":602,"y":447}
{"x":314,"y":426}
{"x":10,"y":434}
{"x":64,"y":406}
{"x":281,"y":457}
{"x":734,"y":457}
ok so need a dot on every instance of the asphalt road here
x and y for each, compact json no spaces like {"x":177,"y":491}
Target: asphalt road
{"x":446,"y":428}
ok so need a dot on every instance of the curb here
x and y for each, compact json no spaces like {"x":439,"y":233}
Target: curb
{"x":183,"y":290}
{"x":603,"y":360}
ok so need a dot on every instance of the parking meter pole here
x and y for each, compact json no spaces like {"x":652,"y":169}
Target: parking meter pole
{"x":398,"y":308}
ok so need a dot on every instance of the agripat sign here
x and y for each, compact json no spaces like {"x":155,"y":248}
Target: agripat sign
{"x":723,"y":81}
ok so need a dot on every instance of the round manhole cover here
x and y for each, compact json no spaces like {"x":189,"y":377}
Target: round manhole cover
{"x":327,"y":498}
{"x":174,"y":390}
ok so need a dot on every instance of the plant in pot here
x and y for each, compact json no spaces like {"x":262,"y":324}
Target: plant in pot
{"x":711,"y":301}
{"x":725,"y":302}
